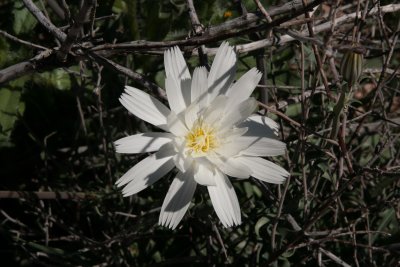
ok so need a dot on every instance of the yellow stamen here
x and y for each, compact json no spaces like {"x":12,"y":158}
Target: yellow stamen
{"x":201,"y":139}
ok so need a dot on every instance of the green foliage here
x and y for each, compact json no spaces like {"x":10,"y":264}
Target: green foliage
{"x":24,"y":21}
{"x":11,"y":107}
{"x":58,"y":79}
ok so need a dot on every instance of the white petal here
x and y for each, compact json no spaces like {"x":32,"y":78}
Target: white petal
{"x":238,"y":113}
{"x":260,"y":126}
{"x":230,"y":134}
{"x":191,"y":115}
{"x":186,"y":91}
{"x":224,"y":200}
{"x":261,"y":146}
{"x":144,"y":142}
{"x":222,"y":72}
{"x":204,"y":173}
{"x":175,"y":125}
{"x":229,"y":147}
{"x":145,"y":173}
{"x":265,"y":170}
{"x":174,"y":95}
{"x":232,"y":167}
{"x":175,"y":65}
{"x":182,"y":161}
{"x":167,"y":150}
{"x":145,"y":107}
{"x":242,"y":89}
{"x":176,"y":70}
{"x":199,"y":87}
{"x":178,"y":199}
{"x":216,"y":110}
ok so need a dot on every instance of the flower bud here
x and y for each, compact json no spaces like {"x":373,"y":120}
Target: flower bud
{"x":351,"y":66}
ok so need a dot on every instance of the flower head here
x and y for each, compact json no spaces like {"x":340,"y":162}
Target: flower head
{"x":210,"y":134}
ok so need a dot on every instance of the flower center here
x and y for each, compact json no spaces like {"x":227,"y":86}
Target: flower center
{"x":200,"y":140}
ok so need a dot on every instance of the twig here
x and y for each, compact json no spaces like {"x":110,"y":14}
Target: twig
{"x":61,"y":36}
{"x":56,"y":8}
{"x":15,"y":39}
{"x":317,"y":56}
{"x":65,"y":7}
{"x":334,"y":257}
{"x":24,"y":68}
{"x":220,"y":241}
{"x":295,"y":123}
{"x":129,"y":73}
{"x":197,"y":26}
{"x":263,"y":10}
{"x":198,"y":29}
{"x":235,"y":27}
{"x":76,"y":28}
{"x":302,"y":134}
{"x":45,"y":195}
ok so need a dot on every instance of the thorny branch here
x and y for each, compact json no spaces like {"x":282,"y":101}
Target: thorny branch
{"x":235,"y":27}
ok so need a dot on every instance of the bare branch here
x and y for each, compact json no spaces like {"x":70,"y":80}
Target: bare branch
{"x":197,"y":27}
{"x":44,"y":195}
{"x":61,"y":36}
{"x":236,"y":27}
{"x":25,"y":67}
{"x":76,"y":28}
{"x":263,"y":10}
{"x":15,"y":39}
{"x":16,"y":71}
{"x":56,"y":8}
{"x":107,"y":50}
{"x":139,"y":78}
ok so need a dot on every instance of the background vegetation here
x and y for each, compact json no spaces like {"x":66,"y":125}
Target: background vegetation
{"x":59,"y":116}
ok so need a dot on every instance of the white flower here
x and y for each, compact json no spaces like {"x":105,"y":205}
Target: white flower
{"x":209,"y":135}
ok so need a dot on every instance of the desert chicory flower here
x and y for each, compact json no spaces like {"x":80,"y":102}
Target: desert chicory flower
{"x":210,"y":134}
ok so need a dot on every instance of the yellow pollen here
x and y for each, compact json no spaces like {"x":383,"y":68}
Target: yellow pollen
{"x":200,"y":139}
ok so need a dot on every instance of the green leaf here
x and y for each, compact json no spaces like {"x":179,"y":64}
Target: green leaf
{"x":260,"y":223}
{"x":286,"y":262}
{"x":388,"y":216}
{"x":46,"y":249}
{"x":4,"y":52}
{"x":24,"y":22}
{"x":293,"y":110}
{"x":58,"y":79}
{"x":119,"y":6}
{"x":10,"y":108}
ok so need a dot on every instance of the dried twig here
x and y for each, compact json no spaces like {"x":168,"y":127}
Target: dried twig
{"x":61,"y":36}
{"x":45,"y":195}
{"x":76,"y":29}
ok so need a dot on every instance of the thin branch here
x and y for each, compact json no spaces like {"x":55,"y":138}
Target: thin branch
{"x":65,"y":7}
{"x":137,"y":77}
{"x":197,"y":26}
{"x":16,"y":71}
{"x":334,"y":257}
{"x":15,"y":39}
{"x":263,"y":10}
{"x":239,"y":26}
{"x":44,"y":195}
{"x":61,"y":36}
{"x":242,"y":22}
{"x":24,"y":68}
{"x":76,"y":28}
{"x":56,"y":8}
{"x":198,"y":29}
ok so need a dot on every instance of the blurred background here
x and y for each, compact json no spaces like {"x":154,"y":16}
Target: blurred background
{"x":59,"y":116}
